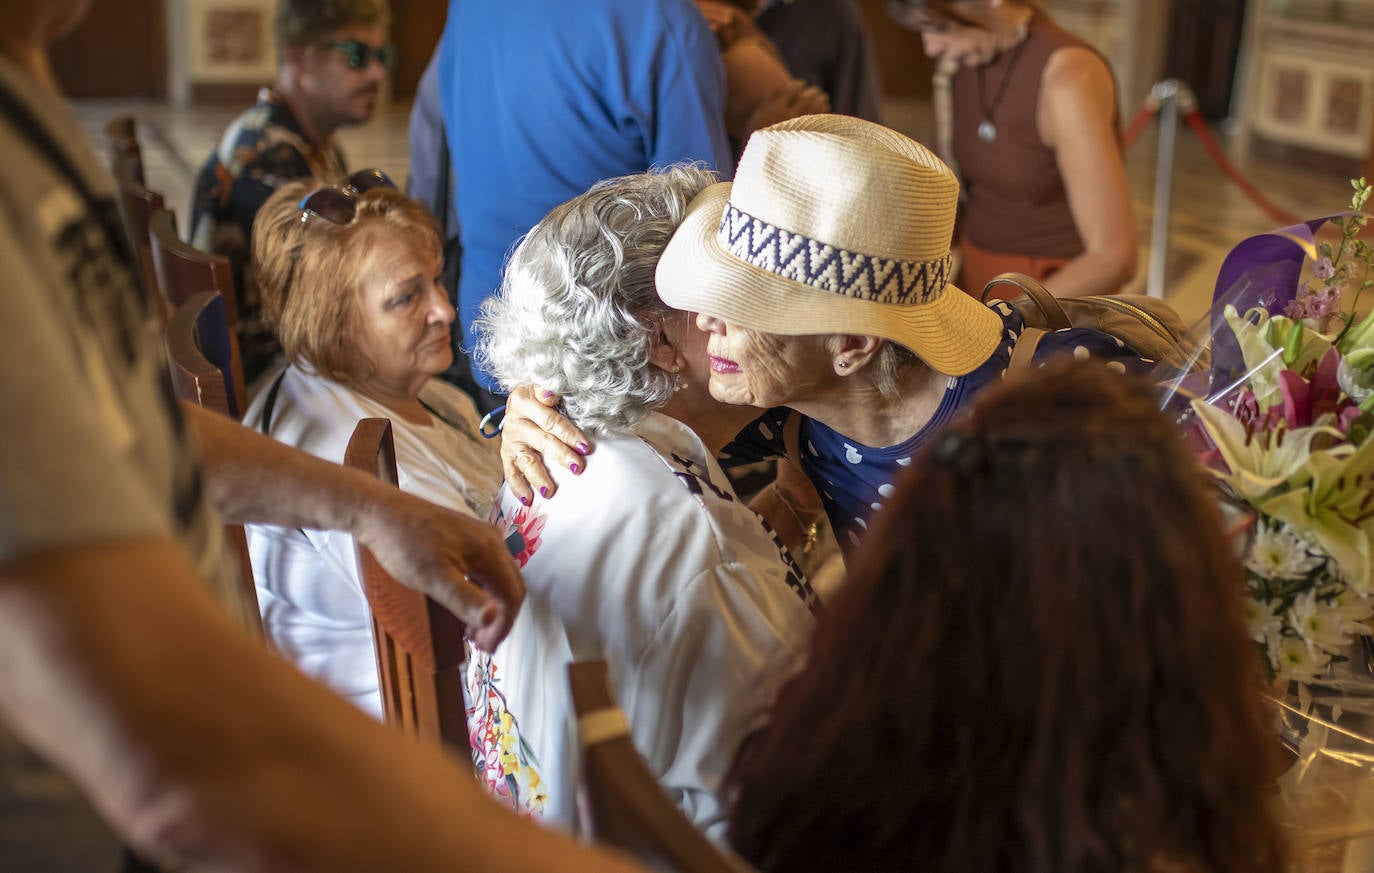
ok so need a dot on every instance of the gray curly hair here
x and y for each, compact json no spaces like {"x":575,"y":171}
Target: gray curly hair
{"x":578,"y":313}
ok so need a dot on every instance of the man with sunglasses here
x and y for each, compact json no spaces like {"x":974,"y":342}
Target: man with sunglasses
{"x":333,"y":58}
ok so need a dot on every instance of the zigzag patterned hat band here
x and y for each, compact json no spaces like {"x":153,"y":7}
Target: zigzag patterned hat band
{"x":826,"y":267}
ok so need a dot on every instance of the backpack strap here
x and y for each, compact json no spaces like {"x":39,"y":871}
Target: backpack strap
{"x":1023,"y":352}
{"x":1044,"y":300}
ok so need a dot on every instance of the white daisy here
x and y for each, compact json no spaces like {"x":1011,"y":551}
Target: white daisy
{"x":1296,"y":658}
{"x":1263,"y":619}
{"x":1278,"y":552}
{"x":1319,"y":623}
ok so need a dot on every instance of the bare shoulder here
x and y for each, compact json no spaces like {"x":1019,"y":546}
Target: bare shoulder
{"x":1077,"y":68}
{"x":1077,"y":93}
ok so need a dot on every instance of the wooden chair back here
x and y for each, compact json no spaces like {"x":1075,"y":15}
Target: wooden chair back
{"x":125,"y":154}
{"x":420,"y":650}
{"x":137,"y":201}
{"x":136,"y":207}
{"x":183,"y":272}
{"x":200,"y":351}
{"x":627,"y":807}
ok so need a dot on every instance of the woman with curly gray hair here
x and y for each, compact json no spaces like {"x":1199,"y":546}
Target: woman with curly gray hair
{"x":650,"y":561}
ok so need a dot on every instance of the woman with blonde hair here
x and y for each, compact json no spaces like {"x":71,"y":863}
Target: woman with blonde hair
{"x":350,"y":278}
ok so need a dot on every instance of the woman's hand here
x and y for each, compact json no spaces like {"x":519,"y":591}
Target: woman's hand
{"x":534,"y":434}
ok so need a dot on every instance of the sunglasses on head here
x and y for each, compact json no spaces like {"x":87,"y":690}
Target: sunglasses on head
{"x":338,"y":204}
{"x":359,"y":54}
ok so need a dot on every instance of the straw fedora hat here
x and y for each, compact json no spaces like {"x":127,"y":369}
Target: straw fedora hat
{"x":832,"y":225}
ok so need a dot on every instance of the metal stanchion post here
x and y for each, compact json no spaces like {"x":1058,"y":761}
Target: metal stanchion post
{"x":1163,"y":92}
{"x":1172,"y":97}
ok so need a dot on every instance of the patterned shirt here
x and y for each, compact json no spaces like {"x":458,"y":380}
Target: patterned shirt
{"x":854,"y":479}
{"x":262,"y":150}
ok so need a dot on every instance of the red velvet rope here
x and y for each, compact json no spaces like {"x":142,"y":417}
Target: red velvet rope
{"x":1137,"y":125}
{"x":1199,"y":126}
{"x":1147,"y":113}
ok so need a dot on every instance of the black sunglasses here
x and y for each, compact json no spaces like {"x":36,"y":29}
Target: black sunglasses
{"x":360,"y":54}
{"x":338,"y":204}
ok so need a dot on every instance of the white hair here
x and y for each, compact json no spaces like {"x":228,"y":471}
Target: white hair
{"x":578,"y":313}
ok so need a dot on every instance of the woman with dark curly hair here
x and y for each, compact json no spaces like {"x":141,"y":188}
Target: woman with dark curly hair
{"x":1040,"y":664}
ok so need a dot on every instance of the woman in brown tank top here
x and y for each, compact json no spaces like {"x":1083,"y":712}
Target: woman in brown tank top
{"x":1035,"y":136}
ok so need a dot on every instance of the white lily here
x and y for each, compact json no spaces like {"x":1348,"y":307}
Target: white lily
{"x":1262,"y":338}
{"x":1262,"y":462}
{"x":1335,"y":508}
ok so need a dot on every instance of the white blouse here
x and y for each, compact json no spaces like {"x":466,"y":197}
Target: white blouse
{"x":648,"y":561}
{"x":313,"y":608}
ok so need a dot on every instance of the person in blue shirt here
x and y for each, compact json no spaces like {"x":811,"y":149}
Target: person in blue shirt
{"x":543,"y":98}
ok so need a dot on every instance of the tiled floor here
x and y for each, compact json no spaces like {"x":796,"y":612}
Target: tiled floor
{"x":1209,"y":215}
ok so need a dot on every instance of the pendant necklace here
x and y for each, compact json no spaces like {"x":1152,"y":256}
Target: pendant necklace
{"x":987,"y":131}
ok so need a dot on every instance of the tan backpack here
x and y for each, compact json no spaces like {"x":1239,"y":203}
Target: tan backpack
{"x":1149,"y":326}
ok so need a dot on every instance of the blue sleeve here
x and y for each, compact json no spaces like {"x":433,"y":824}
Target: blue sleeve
{"x":427,"y":141}
{"x":760,"y":441}
{"x":689,"y":121}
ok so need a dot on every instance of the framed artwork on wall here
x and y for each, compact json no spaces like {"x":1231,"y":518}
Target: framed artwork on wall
{"x":230,"y":40}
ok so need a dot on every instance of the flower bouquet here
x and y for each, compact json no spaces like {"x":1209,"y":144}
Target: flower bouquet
{"x":1282,"y":419}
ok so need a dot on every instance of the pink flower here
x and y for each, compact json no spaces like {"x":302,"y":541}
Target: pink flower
{"x":530,"y":526}
{"x":1307,"y":400}
{"x":1297,"y":400}
{"x":1323,"y":269}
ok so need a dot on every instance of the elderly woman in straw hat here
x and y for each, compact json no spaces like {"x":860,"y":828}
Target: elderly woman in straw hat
{"x":649,"y":561}
{"x":822,"y":275}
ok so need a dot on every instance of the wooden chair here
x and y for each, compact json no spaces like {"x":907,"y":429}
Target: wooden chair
{"x":136,"y":207}
{"x":183,"y":272}
{"x":420,"y":651}
{"x":125,"y":154}
{"x":627,"y":807}
{"x":136,"y":201}
{"x":200,"y":350}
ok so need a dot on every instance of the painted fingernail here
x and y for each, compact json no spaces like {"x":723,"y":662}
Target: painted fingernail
{"x":576,"y":468}
{"x":547,"y":394}
{"x":543,"y":491}
{"x":525,"y":501}
{"x":583,"y":448}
